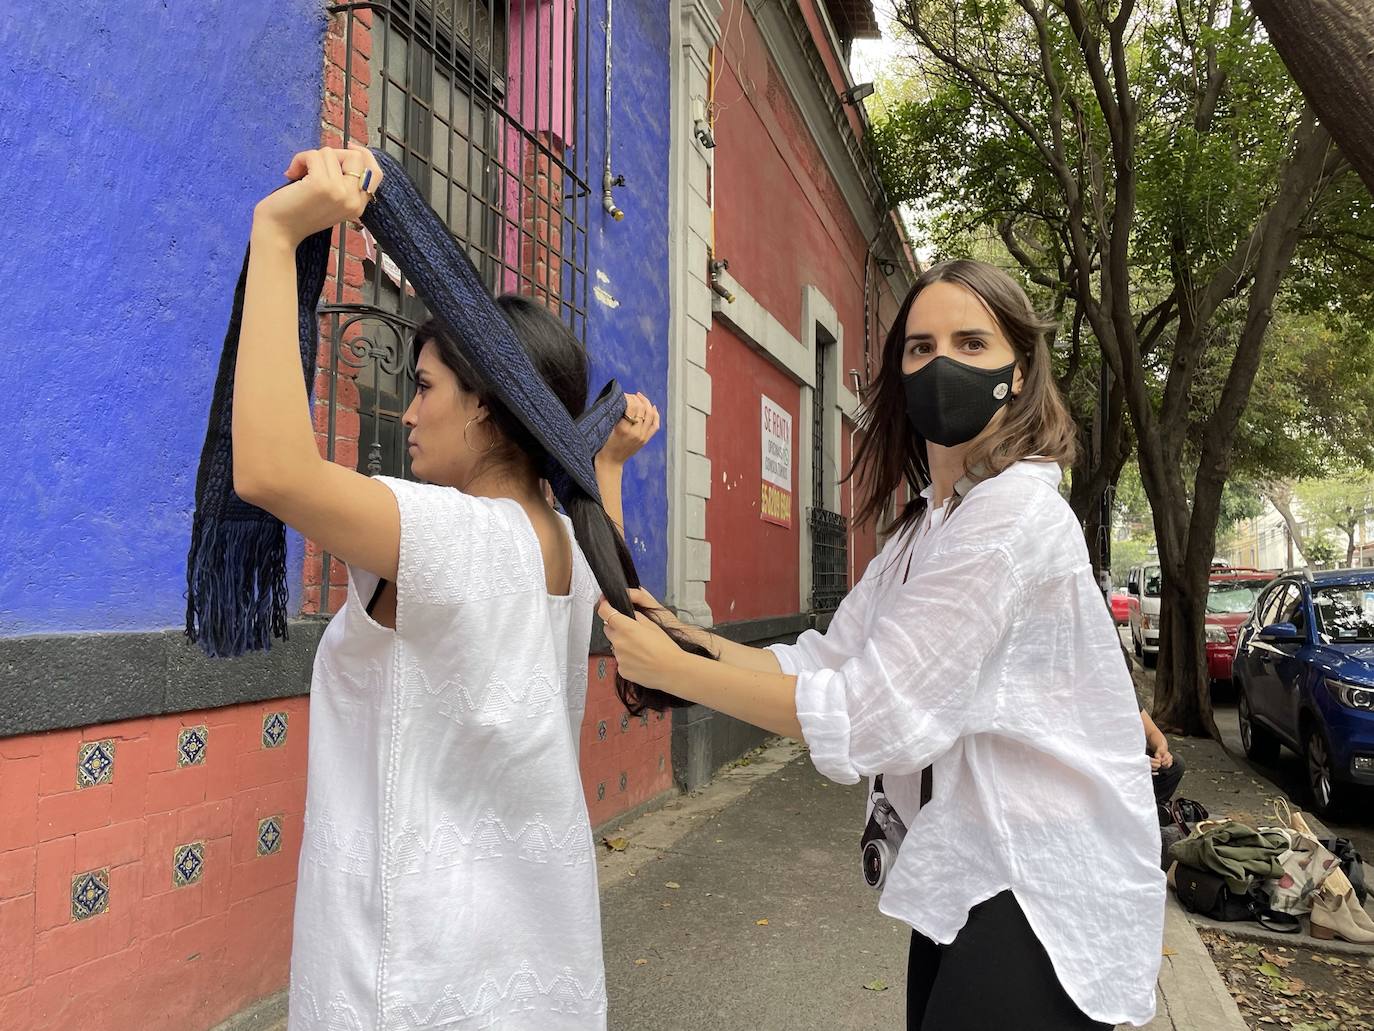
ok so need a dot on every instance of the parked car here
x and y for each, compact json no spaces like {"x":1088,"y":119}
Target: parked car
{"x":1142,"y":584}
{"x":1121,"y":607}
{"x":1304,"y":669}
{"x":1231,"y":595}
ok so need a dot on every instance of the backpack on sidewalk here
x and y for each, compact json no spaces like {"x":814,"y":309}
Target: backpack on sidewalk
{"x":1206,"y":893}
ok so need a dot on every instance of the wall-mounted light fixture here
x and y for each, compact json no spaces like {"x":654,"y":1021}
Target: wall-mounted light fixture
{"x":857,"y":92}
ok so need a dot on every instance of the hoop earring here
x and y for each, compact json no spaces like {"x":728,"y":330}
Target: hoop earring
{"x":467,"y":427}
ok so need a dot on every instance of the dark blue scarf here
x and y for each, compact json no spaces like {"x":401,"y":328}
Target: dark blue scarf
{"x":236,"y":597}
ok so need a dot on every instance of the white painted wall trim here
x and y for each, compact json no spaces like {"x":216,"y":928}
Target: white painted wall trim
{"x":757,"y":327}
{"x":695,"y":27}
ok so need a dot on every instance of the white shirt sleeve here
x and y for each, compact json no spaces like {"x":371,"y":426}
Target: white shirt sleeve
{"x":842,"y":640}
{"x":906,"y":693}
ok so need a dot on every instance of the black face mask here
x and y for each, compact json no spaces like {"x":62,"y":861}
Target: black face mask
{"x":950,"y":403}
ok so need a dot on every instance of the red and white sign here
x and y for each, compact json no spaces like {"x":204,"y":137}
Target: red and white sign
{"x":775,"y":495}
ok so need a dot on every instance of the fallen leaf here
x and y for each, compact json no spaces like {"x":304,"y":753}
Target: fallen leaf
{"x":640,"y":962}
{"x":761,"y":923}
{"x":616,"y":844}
{"x":1168,"y":952}
{"x":876,"y":986}
{"x":1277,"y":960}
{"x":1269,"y":970}
{"x":672,"y":884}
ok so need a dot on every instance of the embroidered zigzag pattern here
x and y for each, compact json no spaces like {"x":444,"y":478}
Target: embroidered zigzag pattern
{"x":523,"y":994}
{"x":496,"y":702}
{"x":447,"y":846}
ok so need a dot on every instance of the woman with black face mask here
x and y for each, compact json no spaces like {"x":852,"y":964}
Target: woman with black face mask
{"x":975,"y":675}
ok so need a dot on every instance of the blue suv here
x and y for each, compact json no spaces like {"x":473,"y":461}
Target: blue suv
{"x":1304,"y":669}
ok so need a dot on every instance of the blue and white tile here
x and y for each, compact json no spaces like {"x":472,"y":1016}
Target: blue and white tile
{"x":188,"y":864}
{"x":191,"y":745}
{"x":274,"y":729}
{"x":90,"y":893}
{"x":269,"y":836}
{"x":95,"y":763}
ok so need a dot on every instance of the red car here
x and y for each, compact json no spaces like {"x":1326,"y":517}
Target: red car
{"x":1121,"y":607}
{"x":1231,"y":594}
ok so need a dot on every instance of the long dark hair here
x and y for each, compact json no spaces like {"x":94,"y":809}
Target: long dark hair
{"x":561,"y":361}
{"x":1036,"y":423}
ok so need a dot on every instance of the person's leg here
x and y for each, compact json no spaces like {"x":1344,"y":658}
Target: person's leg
{"x":1166,"y":781}
{"x":922,"y":964}
{"x":996,"y":975}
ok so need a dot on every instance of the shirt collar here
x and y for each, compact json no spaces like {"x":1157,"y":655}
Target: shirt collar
{"x":1050,"y":472}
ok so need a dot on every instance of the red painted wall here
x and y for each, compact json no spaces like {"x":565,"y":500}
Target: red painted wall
{"x":781,"y":220}
{"x":753,"y":563}
{"x":782,"y":224}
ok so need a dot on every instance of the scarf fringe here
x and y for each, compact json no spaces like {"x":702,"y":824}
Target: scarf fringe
{"x":236,"y":599}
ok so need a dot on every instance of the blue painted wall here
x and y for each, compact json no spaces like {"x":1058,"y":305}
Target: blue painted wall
{"x":136,"y":138}
{"x":627,"y":330}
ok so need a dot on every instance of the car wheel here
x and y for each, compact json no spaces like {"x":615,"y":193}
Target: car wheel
{"x":1150,"y":659}
{"x":1135,"y":643}
{"x":1259,"y":744}
{"x":1323,"y":791}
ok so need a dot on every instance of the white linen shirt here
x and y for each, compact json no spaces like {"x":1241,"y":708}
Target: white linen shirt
{"x":447,"y":875}
{"x":997,"y":663}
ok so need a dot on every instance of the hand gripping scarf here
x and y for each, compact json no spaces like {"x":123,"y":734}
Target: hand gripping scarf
{"x":236,"y":597}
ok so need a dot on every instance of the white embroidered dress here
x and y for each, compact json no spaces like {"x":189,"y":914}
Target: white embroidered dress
{"x":447,"y":878}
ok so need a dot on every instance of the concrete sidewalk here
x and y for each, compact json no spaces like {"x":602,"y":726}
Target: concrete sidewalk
{"x":683,"y":909}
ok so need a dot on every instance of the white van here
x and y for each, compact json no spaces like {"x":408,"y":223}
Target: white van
{"x":1142,"y":584}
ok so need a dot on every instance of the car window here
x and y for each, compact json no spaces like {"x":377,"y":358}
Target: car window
{"x":1152,"y":578}
{"x":1292,"y":610}
{"x":1272,"y":603}
{"x":1226,"y":596}
{"x":1345,"y":613}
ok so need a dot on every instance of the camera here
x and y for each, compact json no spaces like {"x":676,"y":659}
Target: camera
{"x":702,"y":131}
{"x":881,"y":838}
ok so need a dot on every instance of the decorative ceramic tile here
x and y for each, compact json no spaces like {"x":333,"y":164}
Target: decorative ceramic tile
{"x":601,"y":791}
{"x":601,"y":730}
{"x":624,"y":779}
{"x":643,"y":719}
{"x":191,"y":744}
{"x":274,"y":730}
{"x":90,"y":893}
{"x":188,"y":863}
{"x":95,"y":763}
{"x":269,"y":836}
{"x":601,"y":669}
{"x":660,"y":764}
{"x":624,"y":722}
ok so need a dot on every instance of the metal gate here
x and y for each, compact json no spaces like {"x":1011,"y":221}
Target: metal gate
{"x":483,"y":103}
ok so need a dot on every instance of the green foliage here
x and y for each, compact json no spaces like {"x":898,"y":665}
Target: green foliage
{"x":1127,"y":554}
{"x":957,"y":145}
{"x":1319,"y":551}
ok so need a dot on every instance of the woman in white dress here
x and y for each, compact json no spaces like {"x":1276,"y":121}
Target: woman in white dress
{"x":447,"y":876}
{"x":975,"y":674}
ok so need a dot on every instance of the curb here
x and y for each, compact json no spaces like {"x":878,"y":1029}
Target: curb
{"x":1191,"y":995}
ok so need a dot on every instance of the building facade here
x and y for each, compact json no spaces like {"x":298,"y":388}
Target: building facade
{"x":682,"y":182}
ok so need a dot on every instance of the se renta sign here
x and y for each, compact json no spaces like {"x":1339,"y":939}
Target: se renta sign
{"x":775,"y":497}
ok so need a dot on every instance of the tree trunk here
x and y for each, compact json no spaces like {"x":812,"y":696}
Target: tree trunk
{"x":1328,"y":46}
{"x":1183,"y":697}
{"x":1280,"y":495}
{"x":1183,"y":658}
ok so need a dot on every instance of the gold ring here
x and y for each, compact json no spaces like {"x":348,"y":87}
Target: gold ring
{"x":356,"y":175}
{"x":632,"y":420}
